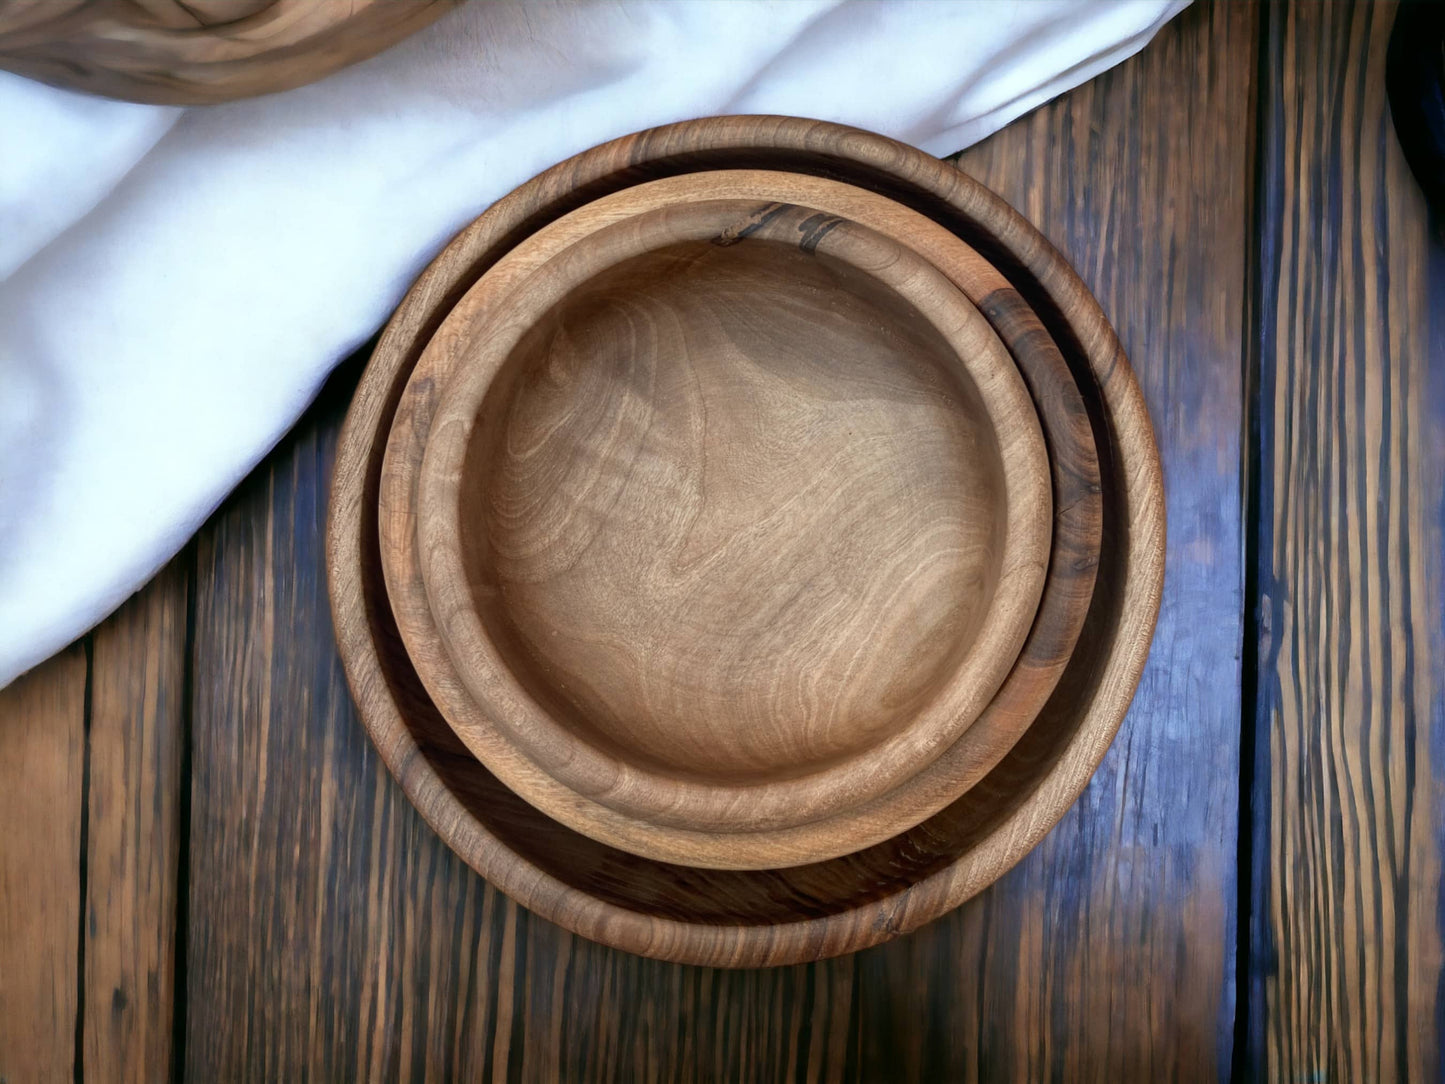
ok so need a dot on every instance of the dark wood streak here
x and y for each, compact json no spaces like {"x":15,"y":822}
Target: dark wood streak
{"x":1345,"y":978}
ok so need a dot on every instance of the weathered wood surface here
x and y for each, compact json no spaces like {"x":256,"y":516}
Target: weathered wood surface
{"x":1346,"y":971}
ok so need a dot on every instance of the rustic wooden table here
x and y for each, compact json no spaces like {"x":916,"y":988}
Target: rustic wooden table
{"x":206,"y":873}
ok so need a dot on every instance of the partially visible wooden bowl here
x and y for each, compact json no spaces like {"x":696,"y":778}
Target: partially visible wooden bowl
{"x":735,"y":514}
{"x":170,"y":52}
{"x":759,"y":919}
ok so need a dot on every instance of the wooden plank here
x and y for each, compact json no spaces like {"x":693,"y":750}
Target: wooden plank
{"x":137,"y":731}
{"x":1108,"y":954}
{"x":1346,"y":953}
{"x":42,"y":796}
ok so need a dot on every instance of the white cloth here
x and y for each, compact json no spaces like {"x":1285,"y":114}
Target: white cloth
{"x":175,"y":284}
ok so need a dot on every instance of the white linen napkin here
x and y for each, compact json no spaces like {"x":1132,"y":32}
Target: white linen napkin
{"x":175,"y":284}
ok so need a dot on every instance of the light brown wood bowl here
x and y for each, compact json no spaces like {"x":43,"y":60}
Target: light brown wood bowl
{"x":1066,"y":599}
{"x":750,"y":499}
{"x":725,"y":918}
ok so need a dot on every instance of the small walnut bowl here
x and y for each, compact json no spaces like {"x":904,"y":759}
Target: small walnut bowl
{"x":735,"y":515}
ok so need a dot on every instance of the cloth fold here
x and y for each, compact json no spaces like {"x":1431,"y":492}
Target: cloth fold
{"x":175,"y":284}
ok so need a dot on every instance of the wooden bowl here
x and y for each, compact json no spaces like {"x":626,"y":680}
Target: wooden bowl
{"x":775,"y":917}
{"x":728,"y":536}
{"x":1038,"y":669}
{"x":177,"y":52}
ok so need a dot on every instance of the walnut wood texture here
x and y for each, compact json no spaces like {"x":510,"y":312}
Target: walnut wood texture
{"x":171,"y":52}
{"x":733,"y":449}
{"x":884,"y":392}
{"x":684,"y":431}
{"x":1349,"y":783}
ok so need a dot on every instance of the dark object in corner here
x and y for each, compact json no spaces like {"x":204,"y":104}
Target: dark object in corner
{"x":1415,"y":81}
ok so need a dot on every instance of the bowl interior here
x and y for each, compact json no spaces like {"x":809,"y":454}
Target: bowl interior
{"x":733,"y":515}
{"x":625,"y":802}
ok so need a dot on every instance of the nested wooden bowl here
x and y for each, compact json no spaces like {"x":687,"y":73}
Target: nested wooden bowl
{"x":1075,"y":477}
{"x":731,"y":918}
{"x":735,"y":513}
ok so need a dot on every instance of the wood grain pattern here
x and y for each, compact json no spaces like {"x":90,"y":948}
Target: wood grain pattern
{"x":42,"y":763}
{"x":989,"y":587}
{"x":1107,"y":954}
{"x":1348,"y":942}
{"x":170,"y":52}
{"x":134,"y":826}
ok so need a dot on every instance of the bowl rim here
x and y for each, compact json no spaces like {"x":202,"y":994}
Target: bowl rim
{"x":1032,"y":265}
{"x":477,"y":337}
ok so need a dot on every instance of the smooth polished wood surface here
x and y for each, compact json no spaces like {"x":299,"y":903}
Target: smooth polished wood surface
{"x":1350,"y":712}
{"x":739,"y":919}
{"x":936,"y":371}
{"x":343,"y":940}
{"x":1066,"y":600}
{"x":170,"y":52}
